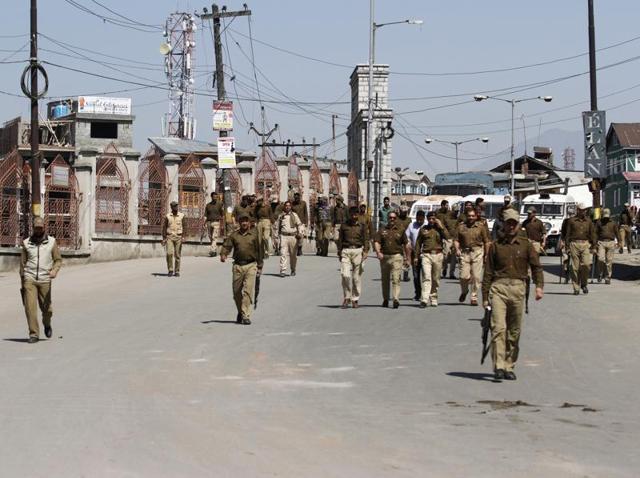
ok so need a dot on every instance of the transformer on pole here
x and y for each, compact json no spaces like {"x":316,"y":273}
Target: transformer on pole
{"x":179,"y":67}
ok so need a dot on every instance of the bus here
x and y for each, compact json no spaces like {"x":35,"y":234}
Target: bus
{"x":431,"y":203}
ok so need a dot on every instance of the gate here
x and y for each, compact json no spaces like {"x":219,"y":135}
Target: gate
{"x":14,"y":200}
{"x":334,"y":181}
{"x":153,"y":193}
{"x":191,"y":196}
{"x":61,"y":203}
{"x":315,"y":188}
{"x":267,"y":184}
{"x":112,"y":192}
{"x":354,"y":189}
{"x":294,"y":181}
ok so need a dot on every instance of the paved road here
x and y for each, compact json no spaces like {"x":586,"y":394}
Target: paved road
{"x":149,"y":376}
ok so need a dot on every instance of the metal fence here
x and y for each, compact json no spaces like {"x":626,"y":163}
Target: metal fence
{"x":191,"y":194}
{"x":112,"y":192}
{"x":61,"y":203}
{"x":153,"y":193}
{"x":14,"y":200}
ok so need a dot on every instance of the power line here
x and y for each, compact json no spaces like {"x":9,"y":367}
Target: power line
{"x":111,"y":20}
{"x":134,"y":22}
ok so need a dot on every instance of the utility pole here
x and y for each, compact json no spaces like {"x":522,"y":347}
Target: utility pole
{"x":333,"y":135}
{"x":216,"y":15}
{"x":596,"y":185}
{"x":36,"y":209}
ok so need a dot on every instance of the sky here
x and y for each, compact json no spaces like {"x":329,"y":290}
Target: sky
{"x":455,"y":54}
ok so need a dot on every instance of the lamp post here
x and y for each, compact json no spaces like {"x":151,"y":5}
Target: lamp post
{"x":512,"y":102}
{"x":456,"y":144}
{"x":369,"y":151}
{"x":400,"y":173}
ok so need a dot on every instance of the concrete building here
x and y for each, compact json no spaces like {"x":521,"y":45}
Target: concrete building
{"x":409,"y":187}
{"x":357,"y":130}
{"x":623,"y":166}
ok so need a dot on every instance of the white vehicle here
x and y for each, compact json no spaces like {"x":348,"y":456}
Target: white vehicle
{"x":431,"y":203}
{"x":492,"y":204}
{"x":552,"y":210}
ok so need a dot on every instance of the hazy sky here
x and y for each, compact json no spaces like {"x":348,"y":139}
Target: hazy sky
{"x":458,"y":36}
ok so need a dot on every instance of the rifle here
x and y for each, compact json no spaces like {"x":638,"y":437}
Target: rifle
{"x":486,"y":326}
{"x":256,"y":292}
{"x":526,"y":295}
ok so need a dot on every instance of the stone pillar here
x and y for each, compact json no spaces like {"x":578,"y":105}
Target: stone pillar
{"x":283,"y":172}
{"x":172,"y":163}
{"x":132,"y":162}
{"x":209,"y":167}
{"x":85,"y":169}
{"x":305,"y":171}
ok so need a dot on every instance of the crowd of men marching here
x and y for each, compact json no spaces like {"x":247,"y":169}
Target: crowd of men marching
{"x":499,"y":264}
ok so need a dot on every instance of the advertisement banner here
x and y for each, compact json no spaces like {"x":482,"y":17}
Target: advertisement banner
{"x":104,"y":105}
{"x":226,"y":153}
{"x":222,"y":115}
{"x":595,"y":147}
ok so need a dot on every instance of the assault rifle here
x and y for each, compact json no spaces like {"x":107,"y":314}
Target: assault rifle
{"x":486,"y":326}
{"x":256,"y":292}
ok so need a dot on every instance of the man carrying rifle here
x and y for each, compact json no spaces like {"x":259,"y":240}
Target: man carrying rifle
{"x":247,"y":265}
{"x":503,"y":286}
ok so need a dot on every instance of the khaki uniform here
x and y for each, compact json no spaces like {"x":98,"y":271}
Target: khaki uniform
{"x":302,"y":211}
{"x":353,"y":246}
{"x":339,"y":215}
{"x":247,"y":259}
{"x":580,"y":235}
{"x":37,"y":262}
{"x":174,"y":226}
{"x":448,"y":218}
{"x":289,"y":229}
{"x":264,"y":217}
{"x":213,"y":214}
{"x":430,"y":247}
{"x":324,"y":228}
{"x":503,"y":286}
{"x":472,"y":241}
{"x":535,"y":233}
{"x":626,"y":221}
{"x":606,"y":235}
{"x":239,"y":210}
{"x":392,"y":242}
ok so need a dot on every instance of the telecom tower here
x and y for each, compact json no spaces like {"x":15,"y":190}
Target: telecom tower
{"x":569,"y":157}
{"x":179,"y":52}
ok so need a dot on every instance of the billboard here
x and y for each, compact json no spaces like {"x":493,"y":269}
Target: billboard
{"x":222,"y":115}
{"x":226,"y":153}
{"x":595,"y":146}
{"x":104,"y":105}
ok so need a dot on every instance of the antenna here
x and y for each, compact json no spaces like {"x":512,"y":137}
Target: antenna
{"x":179,"y":52}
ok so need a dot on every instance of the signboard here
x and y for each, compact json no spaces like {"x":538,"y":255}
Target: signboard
{"x":222,"y":115}
{"x":226,"y":153}
{"x":104,"y":105}
{"x":60,"y":176}
{"x":595,"y":147}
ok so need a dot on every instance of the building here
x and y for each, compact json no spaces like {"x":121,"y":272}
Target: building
{"x":357,"y":129}
{"x":409,"y":187}
{"x":623,"y":166}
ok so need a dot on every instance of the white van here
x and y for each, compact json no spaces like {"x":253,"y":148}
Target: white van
{"x":492,"y":204}
{"x":431,"y":203}
{"x":552,"y":210}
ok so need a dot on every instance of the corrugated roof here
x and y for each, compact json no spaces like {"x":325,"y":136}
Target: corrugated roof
{"x":187,"y":146}
{"x":628,"y":134}
{"x":632,"y":175}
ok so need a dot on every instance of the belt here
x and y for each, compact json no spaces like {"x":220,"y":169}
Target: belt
{"x":287,"y":233}
{"x":580,"y":241}
{"x":470,"y":249}
{"x":352,"y":247}
{"x":243,"y":263}
{"x":432,"y":251}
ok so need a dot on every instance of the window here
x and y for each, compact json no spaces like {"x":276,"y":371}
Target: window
{"x":105,"y":130}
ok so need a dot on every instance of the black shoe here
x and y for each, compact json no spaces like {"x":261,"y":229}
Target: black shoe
{"x":462,"y":297}
{"x":509,"y":375}
{"x":33,"y":340}
{"x":239,"y":319}
{"x":499,"y":374}
{"x":177,"y":274}
{"x":585,"y":290}
{"x":396,"y":304}
{"x":48,"y":331}
{"x":453,"y":277}
{"x":170,"y":274}
{"x":385,"y":303}
{"x":576,"y":292}
{"x":345,"y":304}
{"x":423,"y":305}
{"x":607,"y":281}
{"x":354,"y":304}
{"x":293,"y":273}
{"x":246,"y":322}
{"x":416,"y":297}
{"x":282,"y":274}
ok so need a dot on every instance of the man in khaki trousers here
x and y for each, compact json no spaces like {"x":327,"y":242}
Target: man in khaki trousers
{"x":288,"y":231}
{"x":353,"y":247}
{"x":580,"y":235}
{"x":40,"y":262}
{"x":393,"y":250}
{"x":607,"y":232}
{"x":471,"y":243}
{"x":172,"y":229}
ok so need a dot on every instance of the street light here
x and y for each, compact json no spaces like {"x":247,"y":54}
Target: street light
{"x":370,"y":140}
{"x":400,"y":174}
{"x":546,"y":99}
{"x":456,"y":144}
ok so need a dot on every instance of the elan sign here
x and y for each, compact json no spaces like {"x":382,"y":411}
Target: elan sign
{"x":595,"y":147}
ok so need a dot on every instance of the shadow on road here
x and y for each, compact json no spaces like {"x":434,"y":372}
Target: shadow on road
{"x":474,"y":320}
{"x":485,"y":377}
{"x":558,"y":293}
{"x":218,"y":322}
{"x":160,"y":274}
{"x":271,"y":274}
{"x":21,"y":341}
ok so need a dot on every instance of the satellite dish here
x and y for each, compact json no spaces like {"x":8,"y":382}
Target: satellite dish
{"x":165,"y":48}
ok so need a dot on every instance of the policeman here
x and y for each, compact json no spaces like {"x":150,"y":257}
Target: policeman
{"x":244,"y":208}
{"x":247,"y":264}
{"x":323,"y":226}
{"x":412,"y":233}
{"x":353,"y":247}
{"x":264,"y":218}
{"x":607,"y":232}
{"x":503,"y":287}
{"x":172,"y":229}
{"x":289,"y":231}
{"x":580,"y":236}
{"x":300,"y":208}
{"x":447,"y":217}
{"x":383,"y":213}
{"x":213,"y":214}
{"x":626,"y":221}
{"x":536,"y":232}
{"x":429,"y":248}
{"x":403,"y":222}
{"x":40,"y":262}
{"x":339,"y":215}
{"x":365,"y":218}
{"x":393,"y":250}
{"x":471,"y":244}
